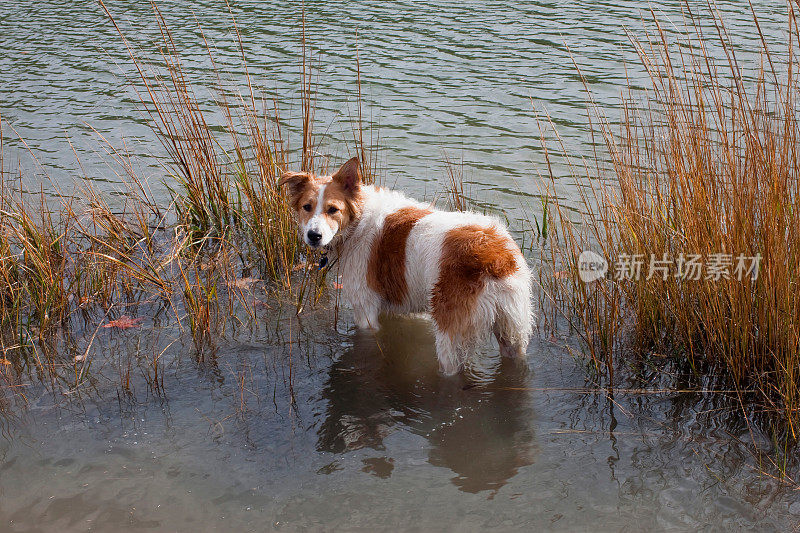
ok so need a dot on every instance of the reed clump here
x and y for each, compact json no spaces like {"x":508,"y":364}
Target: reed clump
{"x":70,"y":265}
{"x":224,"y":188}
{"x":225,"y":185}
{"x":699,"y":223}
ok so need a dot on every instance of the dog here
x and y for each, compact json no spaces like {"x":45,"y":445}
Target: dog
{"x":398,"y":255}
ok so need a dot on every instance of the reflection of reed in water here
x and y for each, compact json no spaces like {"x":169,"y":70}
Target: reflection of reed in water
{"x":390,"y":382}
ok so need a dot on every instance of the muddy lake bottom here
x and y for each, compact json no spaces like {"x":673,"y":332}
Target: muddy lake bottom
{"x":310,"y":425}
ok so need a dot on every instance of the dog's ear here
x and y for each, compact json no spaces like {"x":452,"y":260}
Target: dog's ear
{"x":294,"y":182}
{"x":349,"y":176}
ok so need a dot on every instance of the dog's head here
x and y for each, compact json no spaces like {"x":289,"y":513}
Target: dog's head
{"x":325,"y":205}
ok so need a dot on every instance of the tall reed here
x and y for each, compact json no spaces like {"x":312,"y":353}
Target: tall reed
{"x":705,"y":163}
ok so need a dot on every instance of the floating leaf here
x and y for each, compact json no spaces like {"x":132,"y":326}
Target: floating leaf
{"x":337,"y":285}
{"x":298,"y":267}
{"x":243,"y":283}
{"x":124,"y":322}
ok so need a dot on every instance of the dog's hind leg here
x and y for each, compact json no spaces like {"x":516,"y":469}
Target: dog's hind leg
{"x":449,"y":354}
{"x":508,"y":347}
{"x":513,"y":322}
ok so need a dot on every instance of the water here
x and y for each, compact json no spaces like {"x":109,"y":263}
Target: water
{"x":462,"y":78}
{"x":376,"y":438}
{"x":337,"y":430}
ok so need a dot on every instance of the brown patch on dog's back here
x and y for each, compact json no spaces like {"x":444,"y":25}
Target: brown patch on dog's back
{"x":469,"y":255}
{"x":386,"y":271}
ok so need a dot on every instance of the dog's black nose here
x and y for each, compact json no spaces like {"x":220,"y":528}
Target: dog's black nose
{"x":313,"y":236}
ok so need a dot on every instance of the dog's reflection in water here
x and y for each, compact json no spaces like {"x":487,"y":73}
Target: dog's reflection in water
{"x":478,"y":427}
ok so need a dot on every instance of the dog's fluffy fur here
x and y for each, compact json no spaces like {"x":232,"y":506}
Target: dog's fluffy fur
{"x":398,"y":255}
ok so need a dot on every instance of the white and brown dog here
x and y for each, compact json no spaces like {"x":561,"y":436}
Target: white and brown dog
{"x":398,"y":255}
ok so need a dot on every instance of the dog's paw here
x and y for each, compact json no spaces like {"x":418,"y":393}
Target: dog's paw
{"x":448,"y":368}
{"x":367,"y":323}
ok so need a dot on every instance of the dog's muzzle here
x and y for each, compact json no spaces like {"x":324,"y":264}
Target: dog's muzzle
{"x":313,"y":238}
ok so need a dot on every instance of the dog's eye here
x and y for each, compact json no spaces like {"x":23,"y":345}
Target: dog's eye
{"x":307,"y":207}
{"x":332,"y":210}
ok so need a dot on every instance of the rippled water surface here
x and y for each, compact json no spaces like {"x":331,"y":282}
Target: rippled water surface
{"x":304,"y":423}
{"x":466,"y":78}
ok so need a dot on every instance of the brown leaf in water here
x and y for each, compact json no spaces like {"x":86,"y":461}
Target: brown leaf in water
{"x":124,"y":322}
{"x":298,"y":267}
{"x":4,"y":361}
{"x":261,"y":304}
{"x":243,"y":283}
{"x":337,"y":285}
{"x":561,"y":274}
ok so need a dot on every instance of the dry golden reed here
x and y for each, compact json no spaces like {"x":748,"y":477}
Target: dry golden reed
{"x":704,"y":161}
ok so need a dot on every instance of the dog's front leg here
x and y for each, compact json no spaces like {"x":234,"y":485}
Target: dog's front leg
{"x":366,"y":308}
{"x":366,"y":317}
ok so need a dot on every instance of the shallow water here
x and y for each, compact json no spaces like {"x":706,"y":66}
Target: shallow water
{"x":302,"y":423}
{"x":375,"y":439}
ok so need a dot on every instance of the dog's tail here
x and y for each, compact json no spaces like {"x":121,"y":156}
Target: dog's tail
{"x":513,"y":323}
